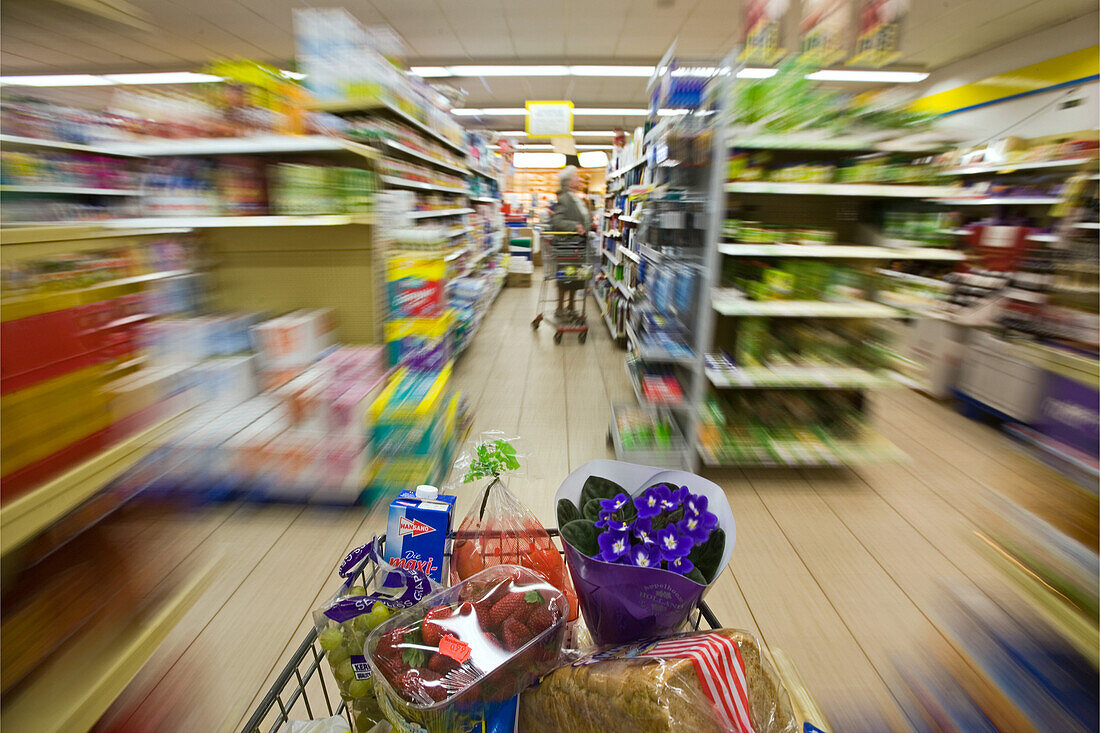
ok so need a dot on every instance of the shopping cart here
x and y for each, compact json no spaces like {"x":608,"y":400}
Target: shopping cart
{"x":305,"y":688}
{"x":569,"y":263}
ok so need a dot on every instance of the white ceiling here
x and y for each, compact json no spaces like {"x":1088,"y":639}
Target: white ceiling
{"x":47,"y":36}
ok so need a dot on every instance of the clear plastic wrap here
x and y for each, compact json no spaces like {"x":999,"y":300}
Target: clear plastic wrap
{"x":344,"y":622}
{"x":499,"y":529}
{"x":706,"y":682}
{"x":449,"y":663}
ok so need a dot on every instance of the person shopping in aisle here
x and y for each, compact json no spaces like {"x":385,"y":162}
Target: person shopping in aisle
{"x":570,"y":214}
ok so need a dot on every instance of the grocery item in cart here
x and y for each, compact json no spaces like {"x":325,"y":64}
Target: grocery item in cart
{"x":345,"y":621}
{"x":642,"y":545}
{"x":499,"y":529}
{"x":450,"y":662}
{"x":706,"y":682}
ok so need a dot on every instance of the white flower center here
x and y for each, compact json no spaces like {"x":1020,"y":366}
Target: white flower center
{"x":652,"y":501}
{"x":670,"y":542}
{"x":692,"y":523}
{"x":620,"y":546}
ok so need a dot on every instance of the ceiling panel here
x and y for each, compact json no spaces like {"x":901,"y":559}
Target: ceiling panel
{"x":482,"y":27}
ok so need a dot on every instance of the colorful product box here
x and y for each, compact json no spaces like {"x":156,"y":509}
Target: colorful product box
{"x":415,"y":286}
{"x":416,"y":534}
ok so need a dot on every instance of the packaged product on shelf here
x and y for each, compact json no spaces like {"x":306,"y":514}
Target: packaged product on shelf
{"x":345,"y":621}
{"x":706,"y":682}
{"x":415,"y":286}
{"x":423,"y":344}
{"x":459,"y":657}
{"x":643,"y":545}
{"x":499,"y":529}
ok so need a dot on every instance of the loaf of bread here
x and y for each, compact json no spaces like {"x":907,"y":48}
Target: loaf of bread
{"x":632,"y":694}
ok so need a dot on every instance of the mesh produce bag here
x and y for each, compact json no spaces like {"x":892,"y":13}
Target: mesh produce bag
{"x":499,"y":529}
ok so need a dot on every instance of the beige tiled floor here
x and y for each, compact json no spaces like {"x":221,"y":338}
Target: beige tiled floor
{"x":841,"y":569}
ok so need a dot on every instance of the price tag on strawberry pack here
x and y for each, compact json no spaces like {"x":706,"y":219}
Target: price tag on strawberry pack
{"x":455,"y":649}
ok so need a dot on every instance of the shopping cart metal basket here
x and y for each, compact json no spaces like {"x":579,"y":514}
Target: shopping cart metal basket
{"x":305,"y":688}
{"x":569,"y":263}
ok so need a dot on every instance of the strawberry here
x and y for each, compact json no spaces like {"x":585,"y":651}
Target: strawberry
{"x":389,"y":646}
{"x":510,"y":606}
{"x":420,"y":686}
{"x":515,"y":634}
{"x":430,"y":631}
{"x":540,"y":619}
{"x":442,"y":664}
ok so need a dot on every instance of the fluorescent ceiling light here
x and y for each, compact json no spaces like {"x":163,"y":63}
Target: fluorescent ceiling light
{"x":593,"y":133}
{"x":512,"y":133}
{"x":644,"y":71}
{"x":592,"y":159}
{"x":296,"y":75}
{"x":430,"y":72}
{"x":881,"y":77}
{"x":489,"y":112}
{"x":170,"y":77}
{"x":55,"y":80}
{"x":538,"y":160}
{"x":608,"y":111}
{"x":672,"y":112}
{"x":754,"y":73}
{"x":594,"y":147}
{"x":703,"y":71}
{"x":534,"y":146}
{"x":508,"y":70}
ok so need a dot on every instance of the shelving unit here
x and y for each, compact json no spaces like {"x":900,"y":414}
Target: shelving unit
{"x":839,"y":252}
{"x":839,"y":189}
{"x":69,"y":190}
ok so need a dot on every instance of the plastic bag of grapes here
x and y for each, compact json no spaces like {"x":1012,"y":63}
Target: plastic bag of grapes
{"x":346,"y":619}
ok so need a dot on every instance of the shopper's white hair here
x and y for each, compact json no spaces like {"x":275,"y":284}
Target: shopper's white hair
{"x":566,"y":177}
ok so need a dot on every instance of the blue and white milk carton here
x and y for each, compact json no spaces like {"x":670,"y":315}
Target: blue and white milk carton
{"x":416,"y":533}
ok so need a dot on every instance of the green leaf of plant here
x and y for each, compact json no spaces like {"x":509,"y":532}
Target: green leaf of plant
{"x":567,"y":512}
{"x":596,"y":487}
{"x":591,"y":510}
{"x":413,"y":656}
{"x":581,"y":535}
{"x":696,"y":576}
{"x":533,"y":596}
{"x":707,"y":556}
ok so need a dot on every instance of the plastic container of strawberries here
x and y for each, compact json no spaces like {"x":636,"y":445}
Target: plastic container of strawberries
{"x":444,"y":663}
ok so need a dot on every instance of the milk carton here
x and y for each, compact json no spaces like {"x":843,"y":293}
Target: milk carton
{"x":416,"y":534}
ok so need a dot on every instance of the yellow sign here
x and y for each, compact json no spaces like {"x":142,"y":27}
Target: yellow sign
{"x":549,"y":118}
{"x":1077,"y":67}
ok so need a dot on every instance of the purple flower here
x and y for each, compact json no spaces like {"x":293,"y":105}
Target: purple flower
{"x":697,"y":526}
{"x":649,"y":503}
{"x":695,"y":504}
{"x":672,"y":544}
{"x":617,"y":525}
{"x":681,"y":565}
{"x":644,"y":556}
{"x":613,"y":545}
{"x":680,"y":495}
{"x":613,"y":505}
{"x":672,"y":502}
{"x":643,"y":530}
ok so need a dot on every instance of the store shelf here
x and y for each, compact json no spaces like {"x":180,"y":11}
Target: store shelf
{"x":220,"y":222}
{"x":613,"y":256}
{"x":25,"y":306}
{"x":626,"y":168}
{"x":1001,"y":201}
{"x":606,"y":311}
{"x":839,"y":189}
{"x":28,"y":514}
{"x":253,"y":145}
{"x":636,"y":384}
{"x":419,"y":185}
{"x":17,"y":142}
{"x":729,"y":306}
{"x":885,"y":140}
{"x":627,"y":292}
{"x":483,"y":173}
{"x":69,"y":190}
{"x":816,"y":377}
{"x":72,"y":691}
{"x":1087,"y":225}
{"x":975,"y":170}
{"x":840,"y":251}
{"x":1043,"y":237}
{"x":439,"y":213}
{"x":929,"y":282}
{"x":872,"y":448}
{"x":377,"y":105}
{"x":406,"y":150}
{"x":484,"y":199}
{"x":649,"y":253}
{"x":630,"y":255}
{"x":628,"y":219}
{"x":612,"y":234}
{"x":458,"y":232}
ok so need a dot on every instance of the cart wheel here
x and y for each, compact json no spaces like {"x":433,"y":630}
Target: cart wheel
{"x":535,"y":325}
{"x":582,"y":336}
{"x":610,"y":440}
{"x":557,"y":337}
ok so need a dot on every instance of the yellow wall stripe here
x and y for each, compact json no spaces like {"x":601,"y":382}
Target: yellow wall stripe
{"x":1075,"y":67}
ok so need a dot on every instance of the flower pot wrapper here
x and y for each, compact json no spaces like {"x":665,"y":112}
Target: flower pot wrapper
{"x":344,"y":622}
{"x":455,"y":661}
{"x":643,"y":546}
{"x":719,"y":681}
{"x":499,"y":529}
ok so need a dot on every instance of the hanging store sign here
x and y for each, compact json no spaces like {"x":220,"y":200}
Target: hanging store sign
{"x":878,"y":35}
{"x":549,"y":119}
{"x":760,"y":31}
{"x":823,"y":31}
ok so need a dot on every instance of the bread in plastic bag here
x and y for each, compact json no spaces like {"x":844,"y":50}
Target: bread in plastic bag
{"x":705,"y":682}
{"x":335,"y":724}
{"x":499,"y":529}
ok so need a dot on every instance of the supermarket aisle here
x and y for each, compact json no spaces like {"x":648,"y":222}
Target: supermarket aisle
{"x":843,"y":570}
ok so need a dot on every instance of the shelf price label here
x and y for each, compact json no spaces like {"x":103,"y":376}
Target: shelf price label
{"x":549,"y":118}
